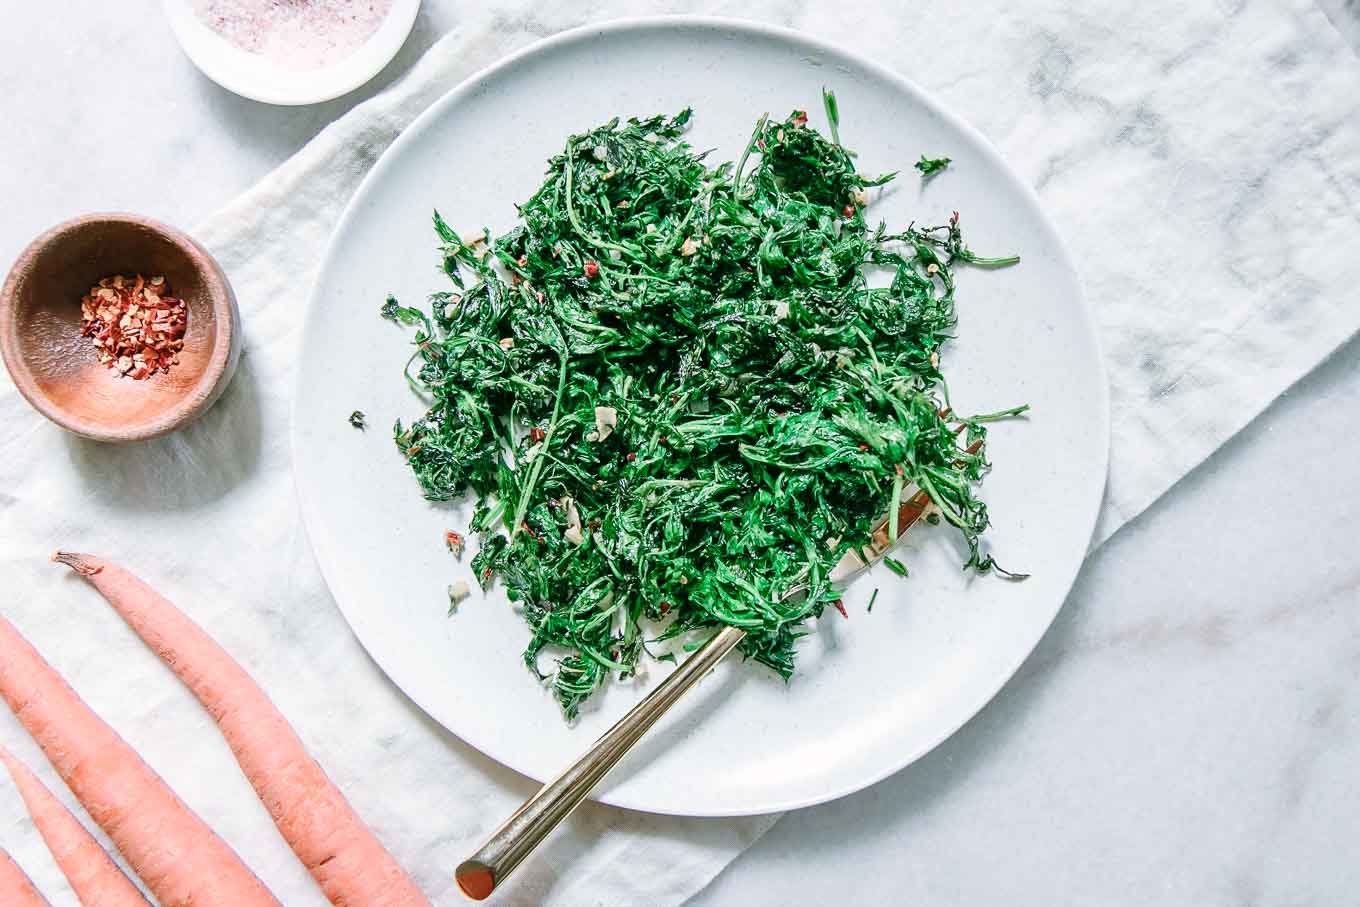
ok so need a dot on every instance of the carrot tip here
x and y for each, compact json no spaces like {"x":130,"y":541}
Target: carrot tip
{"x":76,"y":562}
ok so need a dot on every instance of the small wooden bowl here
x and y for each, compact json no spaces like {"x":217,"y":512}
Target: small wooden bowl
{"x":56,"y":368}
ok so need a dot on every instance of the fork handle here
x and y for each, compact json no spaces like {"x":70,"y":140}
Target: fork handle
{"x":481,"y":873}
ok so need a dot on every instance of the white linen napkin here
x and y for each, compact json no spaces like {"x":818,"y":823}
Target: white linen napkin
{"x":1203,"y":162}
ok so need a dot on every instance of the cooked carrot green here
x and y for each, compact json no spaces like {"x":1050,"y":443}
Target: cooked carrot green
{"x":677,"y":395}
{"x":930,"y":166}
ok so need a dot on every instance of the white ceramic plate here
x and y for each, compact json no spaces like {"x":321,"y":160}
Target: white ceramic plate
{"x":254,"y":76}
{"x":874,"y":692}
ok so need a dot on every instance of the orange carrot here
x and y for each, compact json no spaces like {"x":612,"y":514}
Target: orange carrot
{"x":15,"y":888}
{"x":95,"y":878}
{"x":170,"y":847}
{"x":350,"y":864}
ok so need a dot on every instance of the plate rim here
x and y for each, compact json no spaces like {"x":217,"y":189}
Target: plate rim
{"x":752,"y":28}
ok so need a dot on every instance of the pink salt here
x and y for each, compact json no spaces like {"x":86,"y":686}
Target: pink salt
{"x":295,"y":34}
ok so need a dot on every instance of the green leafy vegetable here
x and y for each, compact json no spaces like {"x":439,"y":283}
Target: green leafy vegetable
{"x":677,"y":396}
{"x":833,"y":115}
{"x":895,"y":565}
{"x":929,"y":166}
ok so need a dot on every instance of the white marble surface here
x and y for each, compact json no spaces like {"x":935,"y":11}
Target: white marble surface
{"x":1188,"y":731}
{"x":1345,"y":15}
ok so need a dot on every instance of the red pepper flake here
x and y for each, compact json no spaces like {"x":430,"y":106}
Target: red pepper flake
{"x":486,"y":574}
{"x":848,"y":210}
{"x":840,"y":606}
{"x":665,"y":607}
{"x":539,"y":296}
{"x":522,"y":261}
{"x":631,"y":456}
{"x":799,"y":118}
{"x":954,"y":220}
{"x":864,"y":447}
{"x":663,"y":439}
{"x":524,"y":524}
{"x":536,"y":435}
{"x":455,"y":543}
{"x":592,"y":268}
{"x":136,"y":326}
{"x":593,"y":523}
{"x":412,"y":451}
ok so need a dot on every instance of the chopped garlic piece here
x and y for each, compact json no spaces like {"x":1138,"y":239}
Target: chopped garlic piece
{"x":606,"y":417}
{"x":573,"y":532}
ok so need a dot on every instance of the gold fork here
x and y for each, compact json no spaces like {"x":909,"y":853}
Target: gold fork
{"x":481,"y":873}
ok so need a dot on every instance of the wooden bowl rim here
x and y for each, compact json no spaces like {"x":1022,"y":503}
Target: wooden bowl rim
{"x":220,"y":367}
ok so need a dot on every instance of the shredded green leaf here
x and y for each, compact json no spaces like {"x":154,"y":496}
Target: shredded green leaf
{"x":677,"y":397}
{"x":929,"y":166}
{"x":895,"y":565}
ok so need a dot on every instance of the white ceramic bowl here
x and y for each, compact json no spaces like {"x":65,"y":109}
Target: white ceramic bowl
{"x":254,"y":76}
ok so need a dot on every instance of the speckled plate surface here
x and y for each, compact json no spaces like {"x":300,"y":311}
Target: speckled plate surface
{"x":874,"y":692}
